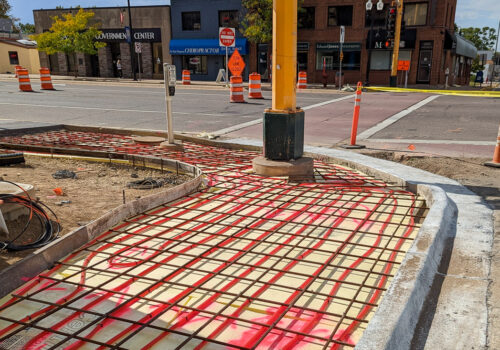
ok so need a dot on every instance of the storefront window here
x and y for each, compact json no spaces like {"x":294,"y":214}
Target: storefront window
{"x":191,"y":20}
{"x":340,"y":16}
{"x":351,"y":60}
{"x":305,"y":18}
{"x":415,"y":14}
{"x":196,"y":64}
{"x":228,"y":19}
{"x":381,"y":60}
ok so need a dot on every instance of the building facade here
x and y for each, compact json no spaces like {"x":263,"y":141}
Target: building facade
{"x":195,"y":36}
{"x":18,"y":53}
{"x":151,"y":30}
{"x":428,"y":42}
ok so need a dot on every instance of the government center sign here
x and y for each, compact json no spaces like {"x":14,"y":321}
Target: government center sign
{"x":140,"y":35}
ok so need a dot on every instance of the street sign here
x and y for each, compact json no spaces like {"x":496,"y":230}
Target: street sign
{"x":138,"y":47}
{"x":227,"y":37}
{"x":342,"y":34}
{"x":404,"y":65}
{"x":236,"y":64}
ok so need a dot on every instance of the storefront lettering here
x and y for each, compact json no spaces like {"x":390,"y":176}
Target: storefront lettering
{"x":141,"y":35}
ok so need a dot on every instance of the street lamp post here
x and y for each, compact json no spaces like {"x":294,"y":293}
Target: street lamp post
{"x":369,"y":13}
{"x":131,"y":43}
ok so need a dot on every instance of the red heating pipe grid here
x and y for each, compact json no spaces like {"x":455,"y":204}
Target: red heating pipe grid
{"x":212,"y":165}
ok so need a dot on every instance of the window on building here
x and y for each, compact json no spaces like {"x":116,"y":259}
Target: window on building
{"x":196,"y":64}
{"x":305,"y":18}
{"x":351,"y":60}
{"x":340,"y":16}
{"x":415,"y":14}
{"x":229,"y":19}
{"x":381,"y":60}
{"x":191,"y":20}
{"x":13,"y":58}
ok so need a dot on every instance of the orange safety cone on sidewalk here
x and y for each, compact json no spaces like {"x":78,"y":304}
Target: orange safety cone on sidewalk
{"x":45,"y":80}
{"x":254,"y":86}
{"x":186,"y":77}
{"x":236,"y":90}
{"x":17,"y":68}
{"x":24,"y":80}
{"x":355,"y":119}
{"x":302,"y":82}
{"x":496,"y":156}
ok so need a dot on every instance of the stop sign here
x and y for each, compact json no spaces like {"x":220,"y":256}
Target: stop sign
{"x":227,"y":37}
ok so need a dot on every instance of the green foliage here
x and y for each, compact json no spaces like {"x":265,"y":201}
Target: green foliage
{"x":70,"y":34}
{"x":257,"y":25}
{"x":4,"y":9}
{"x":26,"y":28}
{"x":483,"y":38}
{"x":476,"y":65}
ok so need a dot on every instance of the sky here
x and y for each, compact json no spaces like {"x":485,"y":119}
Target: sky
{"x":470,"y":13}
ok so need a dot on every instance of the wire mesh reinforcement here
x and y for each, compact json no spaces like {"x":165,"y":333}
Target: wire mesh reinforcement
{"x":247,"y":263}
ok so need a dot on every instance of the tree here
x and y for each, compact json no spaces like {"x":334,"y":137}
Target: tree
{"x":70,"y":34}
{"x":257,"y":25}
{"x":483,"y":38}
{"x":26,"y":28}
{"x":4,"y":9}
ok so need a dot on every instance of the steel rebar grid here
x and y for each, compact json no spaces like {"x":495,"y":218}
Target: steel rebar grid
{"x":283,"y":229}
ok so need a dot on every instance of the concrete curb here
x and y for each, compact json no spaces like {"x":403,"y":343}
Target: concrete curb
{"x":44,"y":258}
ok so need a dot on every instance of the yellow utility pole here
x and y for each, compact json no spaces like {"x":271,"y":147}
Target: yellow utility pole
{"x":284,"y":55}
{"x":283,"y":126}
{"x":397,"y":39}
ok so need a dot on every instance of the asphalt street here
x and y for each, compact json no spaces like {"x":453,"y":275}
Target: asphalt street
{"x":422,"y":122}
{"x":204,"y":110}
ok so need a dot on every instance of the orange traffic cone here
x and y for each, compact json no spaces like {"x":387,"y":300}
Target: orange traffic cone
{"x":24,"y":80}
{"x":254,"y":86}
{"x":45,"y":80}
{"x":496,"y":156}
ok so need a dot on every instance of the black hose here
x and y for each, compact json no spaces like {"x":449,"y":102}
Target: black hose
{"x":50,"y":228}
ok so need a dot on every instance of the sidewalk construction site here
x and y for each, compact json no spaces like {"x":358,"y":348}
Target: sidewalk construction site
{"x":230,"y":259}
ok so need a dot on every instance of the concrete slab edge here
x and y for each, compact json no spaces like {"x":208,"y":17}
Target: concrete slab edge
{"x":44,"y":258}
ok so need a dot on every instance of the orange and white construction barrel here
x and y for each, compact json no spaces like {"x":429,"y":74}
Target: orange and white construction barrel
{"x":17,"y":68}
{"x":302,"y":81}
{"x":254,"y":86}
{"x":496,"y":156}
{"x":24,"y":80}
{"x":186,"y":77}
{"x":45,"y":79}
{"x":236,"y":88}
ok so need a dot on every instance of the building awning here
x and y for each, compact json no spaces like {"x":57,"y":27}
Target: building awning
{"x":204,"y":47}
{"x":465,"y":47}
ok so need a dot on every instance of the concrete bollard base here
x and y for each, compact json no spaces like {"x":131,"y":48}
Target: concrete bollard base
{"x":302,"y":167}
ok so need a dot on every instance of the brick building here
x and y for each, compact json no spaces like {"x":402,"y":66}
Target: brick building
{"x":151,"y":26}
{"x":429,"y":42}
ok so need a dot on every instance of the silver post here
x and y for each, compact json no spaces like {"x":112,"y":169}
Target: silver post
{"x":227,"y":74}
{"x":168,"y":100}
{"x":406,"y":80}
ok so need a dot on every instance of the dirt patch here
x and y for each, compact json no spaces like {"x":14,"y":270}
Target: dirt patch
{"x":97,"y":188}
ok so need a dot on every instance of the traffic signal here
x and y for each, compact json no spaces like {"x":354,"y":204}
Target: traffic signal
{"x":391,"y":22}
{"x":389,"y":44}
